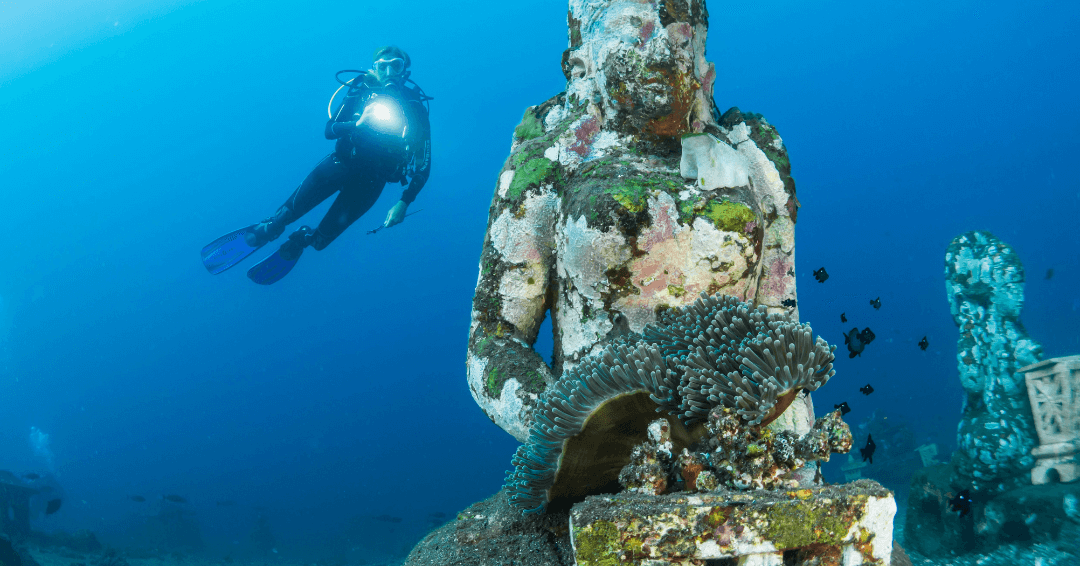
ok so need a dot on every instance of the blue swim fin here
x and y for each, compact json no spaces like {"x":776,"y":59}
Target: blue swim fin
{"x":272,"y":269}
{"x":227,"y":251}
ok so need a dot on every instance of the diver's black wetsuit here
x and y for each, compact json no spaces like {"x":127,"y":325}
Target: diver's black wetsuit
{"x":362,"y":162}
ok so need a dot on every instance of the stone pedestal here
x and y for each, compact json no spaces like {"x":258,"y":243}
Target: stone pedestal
{"x":1054,"y":390}
{"x":853,"y":468}
{"x":928,"y":454}
{"x":846,"y":524}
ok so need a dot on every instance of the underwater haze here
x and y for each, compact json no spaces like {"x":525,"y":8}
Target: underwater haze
{"x":329,"y":403}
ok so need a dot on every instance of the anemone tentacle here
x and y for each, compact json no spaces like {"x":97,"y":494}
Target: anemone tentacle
{"x":715,"y":352}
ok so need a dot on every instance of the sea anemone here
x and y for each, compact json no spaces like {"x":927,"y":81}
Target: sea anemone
{"x":732,"y":355}
{"x":717,"y":352}
{"x":595,"y":412}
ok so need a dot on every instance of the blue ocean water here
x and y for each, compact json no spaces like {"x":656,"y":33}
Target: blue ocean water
{"x":136,"y":132}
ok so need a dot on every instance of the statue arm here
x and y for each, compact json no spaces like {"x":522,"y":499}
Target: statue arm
{"x":513,"y":295}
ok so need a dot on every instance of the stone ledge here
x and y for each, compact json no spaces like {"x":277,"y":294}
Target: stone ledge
{"x":847,"y":524}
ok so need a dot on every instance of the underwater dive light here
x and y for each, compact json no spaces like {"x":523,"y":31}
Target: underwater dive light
{"x":384,"y":116}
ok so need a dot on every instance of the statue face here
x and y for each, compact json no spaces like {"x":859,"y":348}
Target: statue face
{"x":984,"y":272}
{"x":642,"y":64}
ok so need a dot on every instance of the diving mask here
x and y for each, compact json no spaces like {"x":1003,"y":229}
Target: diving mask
{"x":388,"y":68}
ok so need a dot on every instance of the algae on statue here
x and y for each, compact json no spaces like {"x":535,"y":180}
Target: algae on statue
{"x":984,"y":280}
{"x":626,"y":195}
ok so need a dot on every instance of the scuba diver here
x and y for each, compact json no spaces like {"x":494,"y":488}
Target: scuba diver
{"x":382,"y":134}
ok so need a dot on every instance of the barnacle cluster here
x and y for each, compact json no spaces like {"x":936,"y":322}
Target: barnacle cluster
{"x":731,"y":455}
{"x":717,"y":352}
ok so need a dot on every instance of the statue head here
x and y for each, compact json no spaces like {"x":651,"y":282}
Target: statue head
{"x":642,"y":64}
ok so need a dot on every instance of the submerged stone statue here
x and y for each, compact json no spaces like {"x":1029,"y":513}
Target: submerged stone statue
{"x":627,"y":195}
{"x":984,"y":281}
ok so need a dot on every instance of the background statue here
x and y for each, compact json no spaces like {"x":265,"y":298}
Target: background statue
{"x":984,"y":281}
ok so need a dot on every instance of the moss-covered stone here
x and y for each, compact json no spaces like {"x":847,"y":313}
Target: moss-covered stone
{"x":532,"y":173}
{"x":597,"y":544}
{"x":729,"y":216}
{"x":494,"y":386}
{"x":800,"y":523}
{"x":530,"y":127}
{"x":634,"y":528}
{"x":676,"y":291}
{"x":633,"y":194}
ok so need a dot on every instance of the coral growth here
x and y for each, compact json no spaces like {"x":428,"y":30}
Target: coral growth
{"x":984,"y":281}
{"x":717,"y":352}
{"x":732,"y":455}
{"x":731,"y":354}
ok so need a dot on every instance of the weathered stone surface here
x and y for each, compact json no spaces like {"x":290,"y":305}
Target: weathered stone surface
{"x":984,"y":281}
{"x":1054,"y":390}
{"x":845,"y":524}
{"x":492,"y":533}
{"x":599,"y":219}
{"x":1047,"y":515}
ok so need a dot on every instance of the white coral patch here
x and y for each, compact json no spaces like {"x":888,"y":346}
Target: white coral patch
{"x":877,"y":519}
{"x":522,"y":290}
{"x":579,"y":334}
{"x":604,"y":141}
{"x":504,"y":182}
{"x":553,"y":117}
{"x":522,"y":239}
{"x":585,"y":254}
{"x":508,"y":411}
{"x":714,"y":164}
{"x":767,"y":182}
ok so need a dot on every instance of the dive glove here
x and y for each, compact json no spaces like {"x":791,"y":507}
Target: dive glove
{"x":396,"y":214}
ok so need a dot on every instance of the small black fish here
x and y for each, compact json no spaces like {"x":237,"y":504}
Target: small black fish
{"x":137,"y":498}
{"x":32,"y":476}
{"x":843,"y":407}
{"x":961,"y":502}
{"x":867,"y":336}
{"x":1049,"y":273}
{"x":924,"y":343}
{"x":174,"y":498}
{"x":868,"y":451}
{"x":876,"y":303}
{"x":821,"y":275}
{"x":855,"y":344}
{"x":387,"y":518}
{"x":843,"y":318}
{"x":52,"y":506}
{"x":867,"y":389}
{"x":790,"y":303}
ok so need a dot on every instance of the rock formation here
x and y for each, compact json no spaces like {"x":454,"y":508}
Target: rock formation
{"x":984,"y":281}
{"x":626,"y":195}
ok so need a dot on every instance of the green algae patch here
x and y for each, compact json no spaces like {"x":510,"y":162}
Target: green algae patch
{"x":801,"y":523}
{"x":597,"y":544}
{"x":529,"y":128}
{"x":494,"y":386}
{"x":529,"y":174}
{"x":729,"y":216}
{"x":716,"y":517}
{"x":632,"y":194}
{"x":676,"y":291}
